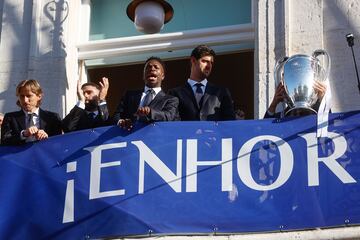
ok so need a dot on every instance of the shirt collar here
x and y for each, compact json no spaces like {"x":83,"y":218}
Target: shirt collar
{"x":95,"y":112}
{"x":193,"y":82}
{"x":156,"y":89}
{"x":36,"y":112}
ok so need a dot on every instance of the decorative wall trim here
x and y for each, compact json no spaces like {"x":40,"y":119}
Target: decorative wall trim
{"x":234,"y":34}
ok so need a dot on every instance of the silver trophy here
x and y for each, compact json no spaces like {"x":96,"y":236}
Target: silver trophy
{"x":298,"y":74}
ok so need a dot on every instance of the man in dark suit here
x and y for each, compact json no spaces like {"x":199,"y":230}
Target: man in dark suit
{"x":31,"y":123}
{"x":150,"y":104}
{"x":91,"y":110}
{"x":200,"y":100}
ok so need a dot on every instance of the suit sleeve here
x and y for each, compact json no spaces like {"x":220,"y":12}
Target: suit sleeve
{"x":275,"y":115}
{"x":120,"y":110}
{"x":267,"y":115}
{"x":227,"y":106}
{"x":71,"y":121}
{"x":169,"y":112}
{"x":56,"y":128}
{"x":104,"y":112}
{"x":10,"y":132}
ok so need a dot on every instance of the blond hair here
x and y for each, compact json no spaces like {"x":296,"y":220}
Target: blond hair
{"x":31,"y":84}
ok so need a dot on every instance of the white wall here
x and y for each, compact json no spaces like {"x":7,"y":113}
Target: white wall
{"x":340,"y":18}
{"x":287,"y":27}
{"x":38,"y":40}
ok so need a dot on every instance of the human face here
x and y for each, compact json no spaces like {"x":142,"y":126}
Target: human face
{"x":28,"y":100}
{"x":1,"y":119}
{"x":91,"y":93}
{"x":153,"y":74}
{"x":201,"y":68}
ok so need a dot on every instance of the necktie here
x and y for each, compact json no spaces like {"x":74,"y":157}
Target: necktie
{"x":30,"y":123}
{"x":31,"y":119}
{"x":148,"y":97}
{"x":199,"y":93}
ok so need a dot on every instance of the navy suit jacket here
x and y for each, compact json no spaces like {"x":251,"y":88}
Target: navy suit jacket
{"x":217,"y":104}
{"x":163,"y":107}
{"x":14,"y":123}
{"x":78,"y":119}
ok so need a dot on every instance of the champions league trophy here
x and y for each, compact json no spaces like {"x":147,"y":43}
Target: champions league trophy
{"x":298,"y":73}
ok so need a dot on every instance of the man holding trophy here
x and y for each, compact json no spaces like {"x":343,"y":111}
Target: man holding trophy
{"x":301,"y":85}
{"x":279,"y":96}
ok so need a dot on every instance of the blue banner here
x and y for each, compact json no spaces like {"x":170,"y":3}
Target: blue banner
{"x":183,"y":178}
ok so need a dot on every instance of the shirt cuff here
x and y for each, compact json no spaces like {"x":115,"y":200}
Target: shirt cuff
{"x":103,"y":102}
{"x":270,"y":113}
{"x":80,"y":104}
{"x":22,"y":135}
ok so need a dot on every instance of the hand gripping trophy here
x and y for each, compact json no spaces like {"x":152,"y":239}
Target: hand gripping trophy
{"x":304,"y":78}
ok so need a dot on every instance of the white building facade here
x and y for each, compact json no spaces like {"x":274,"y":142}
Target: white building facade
{"x":49,"y":40}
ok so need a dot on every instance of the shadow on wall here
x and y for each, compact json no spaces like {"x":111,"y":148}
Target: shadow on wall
{"x":36,"y":49}
{"x":56,"y":83}
{"x":14,"y":50}
{"x":343,"y":18}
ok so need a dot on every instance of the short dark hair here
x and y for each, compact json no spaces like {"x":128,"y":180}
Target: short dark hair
{"x":97,"y":86}
{"x":156,"y":59}
{"x":201,"y":51}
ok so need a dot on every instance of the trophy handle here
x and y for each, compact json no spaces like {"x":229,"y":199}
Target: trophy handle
{"x":279,"y":78}
{"x":279,"y":70}
{"x":326,"y":63}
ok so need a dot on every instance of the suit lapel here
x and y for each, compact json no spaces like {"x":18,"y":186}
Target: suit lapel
{"x":188,"y":90}
{"x":135,"y":101}
{"x":42,"y":120}
{"x":137,"y":98}
{"x":157,"y":98}
{"x":21,"y":119}
{"x":209,"y":90}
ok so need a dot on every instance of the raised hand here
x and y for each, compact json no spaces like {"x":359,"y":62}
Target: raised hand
{"x":80,"y":93}
{"x":320,"y":89}
{"x":278,"y":97}
{"x":104,"y":87}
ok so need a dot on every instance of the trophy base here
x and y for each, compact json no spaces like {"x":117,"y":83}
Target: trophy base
{"x":300,"y":111}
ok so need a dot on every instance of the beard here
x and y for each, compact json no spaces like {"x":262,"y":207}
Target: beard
{"x":91,"y":105}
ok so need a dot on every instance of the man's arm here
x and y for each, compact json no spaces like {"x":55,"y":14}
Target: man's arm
{"x":227,"y":106}
{"x":71,"y":121}
{"x":279,"y":96}
{"x":121,"y":115}
{"x":123,"y":110}
{"x":10,"y":133}
{"x":57,"y":126}
{"x":104,"y":112}
{"x":169,"y":112}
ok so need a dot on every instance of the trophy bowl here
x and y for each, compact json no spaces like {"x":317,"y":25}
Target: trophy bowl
{"x":299,"y":73}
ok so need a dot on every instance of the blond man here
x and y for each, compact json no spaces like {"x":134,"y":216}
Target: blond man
{"x":30,"y":123}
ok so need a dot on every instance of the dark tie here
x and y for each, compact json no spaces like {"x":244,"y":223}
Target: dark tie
{"x":199,"y":93}
{"x":199,"y":88}
{"x":30,"y":123}
{"x":31,"y":119}
{"x":148,"y":97}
